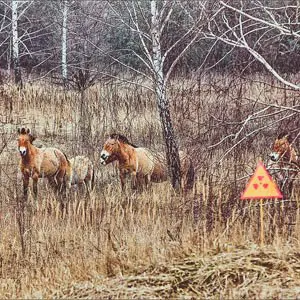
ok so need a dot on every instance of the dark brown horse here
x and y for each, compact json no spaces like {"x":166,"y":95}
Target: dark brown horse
{"x":141,"y":164}
{"x":38,"y":163}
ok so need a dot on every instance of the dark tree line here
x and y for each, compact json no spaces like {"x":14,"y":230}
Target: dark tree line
{"x":96,"y":35}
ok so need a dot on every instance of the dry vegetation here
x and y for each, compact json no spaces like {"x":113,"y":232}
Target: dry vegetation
{"x":153,"y":244}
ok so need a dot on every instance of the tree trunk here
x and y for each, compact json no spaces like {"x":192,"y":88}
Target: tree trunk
{"x":172,"y":154}
{"x":64,"y":43}
{"x":15,"y":44}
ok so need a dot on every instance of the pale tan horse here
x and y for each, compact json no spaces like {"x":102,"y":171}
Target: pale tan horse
{"x":50,"y":163}
{"x":82,"y":172}
{"x":141,"y":164}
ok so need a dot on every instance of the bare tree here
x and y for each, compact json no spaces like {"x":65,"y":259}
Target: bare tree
{"x":158,"y":51}
{"x":263,"y":29}
{"x":15,"y":42}
{"x":256,"y":27}
{"x":64,"y":42}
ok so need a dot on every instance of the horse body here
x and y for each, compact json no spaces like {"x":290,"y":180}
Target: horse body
{"x":284,"y":163}
{"x":38,"y":163}
{"x":137,"y":162}
{"x":82,"y":172}
{"x":142,"y":164}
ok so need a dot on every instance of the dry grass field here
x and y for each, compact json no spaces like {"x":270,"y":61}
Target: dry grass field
{"x":153,"y":244}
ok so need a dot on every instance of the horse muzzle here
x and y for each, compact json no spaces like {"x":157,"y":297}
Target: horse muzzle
{"x":103,"y":157}
{"x":274,"y":156}
{"x":22,"y":151}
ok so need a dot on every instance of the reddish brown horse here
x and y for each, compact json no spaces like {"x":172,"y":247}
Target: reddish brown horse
{"x":283,"y":150}
{"x":141,"y":164}
{"x":38,"y":163}
{"x":284,"y":164}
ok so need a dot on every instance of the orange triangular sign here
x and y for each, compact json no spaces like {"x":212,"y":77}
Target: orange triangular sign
{"x":261,"y":185}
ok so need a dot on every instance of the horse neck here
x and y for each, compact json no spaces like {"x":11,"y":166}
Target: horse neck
{"x":290,"y":154}
{"x":125,"y":153}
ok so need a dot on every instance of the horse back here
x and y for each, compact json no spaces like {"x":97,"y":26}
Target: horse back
{"x":51,"y":161}
{"x":144,"y":161}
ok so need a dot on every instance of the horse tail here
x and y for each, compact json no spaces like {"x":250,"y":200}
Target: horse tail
{"x":190,"y":177}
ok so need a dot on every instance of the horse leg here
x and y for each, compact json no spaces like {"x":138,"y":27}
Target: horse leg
{"x":88,"y":187}
{"x":142,"y":182}
{"x":25,"y":186}
{"x":134,"y":181}
{"x":61,"y":188}
{"x":35,"y":178}
{"x":122,"y":179}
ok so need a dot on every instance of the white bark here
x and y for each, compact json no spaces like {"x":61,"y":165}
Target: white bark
{"x":163,"y":105}
{"x":64,"y":41}
{"x":15,"y":41}
{"x":156,"y":50}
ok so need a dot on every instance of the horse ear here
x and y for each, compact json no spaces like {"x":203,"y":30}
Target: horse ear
{"x":28,"y":130}
{"x":282,"y":135}
{"x":22,"y":130}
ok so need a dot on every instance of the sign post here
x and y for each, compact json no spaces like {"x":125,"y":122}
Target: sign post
{"x":261,"y":186}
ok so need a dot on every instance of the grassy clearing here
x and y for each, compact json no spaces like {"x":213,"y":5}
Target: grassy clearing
{"x":153,"y":244}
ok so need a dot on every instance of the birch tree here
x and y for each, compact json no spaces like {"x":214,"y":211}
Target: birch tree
{"x":64,"y":42}
{"x":148,"y":22}
{"x":18,"y":10}
{"x":15,"y":42}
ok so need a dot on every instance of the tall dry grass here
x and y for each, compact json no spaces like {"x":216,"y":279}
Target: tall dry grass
{"x":112,"y":233}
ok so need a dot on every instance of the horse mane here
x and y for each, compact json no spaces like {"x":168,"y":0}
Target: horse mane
{"x":122,"y":139}
{"x":284,"y":134}
{"x":65,"y":155}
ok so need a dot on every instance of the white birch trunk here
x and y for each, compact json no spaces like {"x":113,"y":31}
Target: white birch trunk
{"x":15,"y":43}
{"x":64,"y":42}
{"x":162,"y":101}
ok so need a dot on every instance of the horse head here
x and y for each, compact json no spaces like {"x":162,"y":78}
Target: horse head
{"x":25,"y":139}
{"x":283,"y":149}
{"x":112,"y":148}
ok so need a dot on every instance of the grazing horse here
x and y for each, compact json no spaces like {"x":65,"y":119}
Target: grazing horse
{"x":143,"y":165}
{"x":38,"y":163}
{"x":284,"y":163}
{"x":82,"y":172}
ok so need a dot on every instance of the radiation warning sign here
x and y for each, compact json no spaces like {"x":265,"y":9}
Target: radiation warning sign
{"x":261,"y":185}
